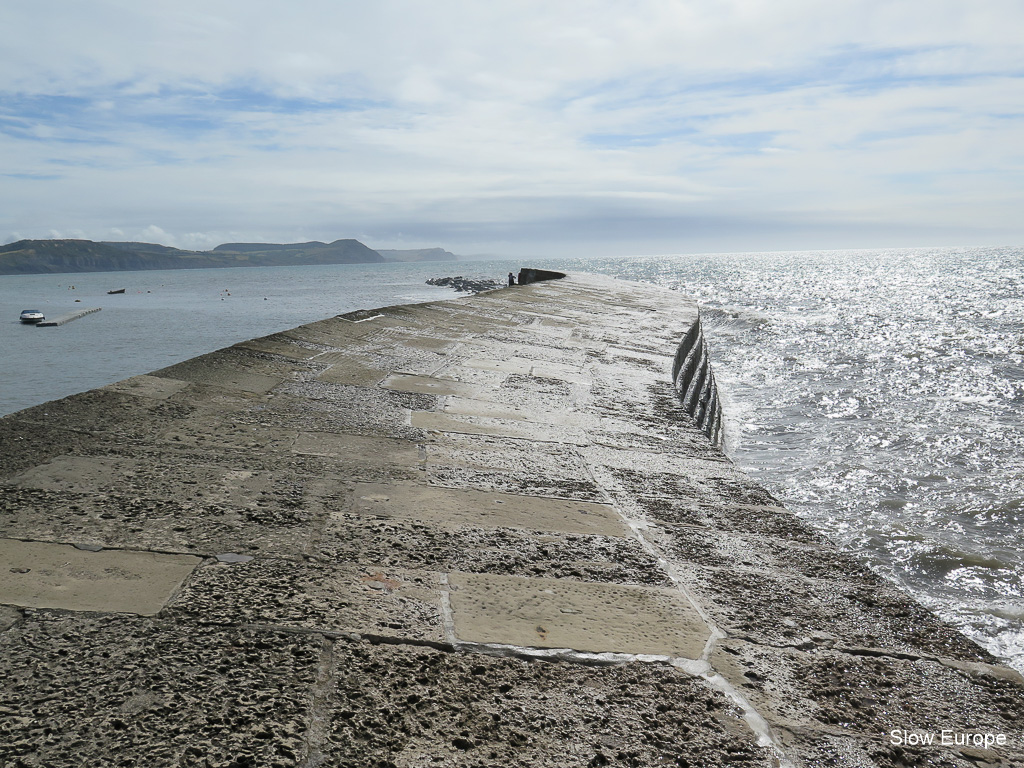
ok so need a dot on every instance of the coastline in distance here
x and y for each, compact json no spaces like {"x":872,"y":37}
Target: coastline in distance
{"x":26,"y":257}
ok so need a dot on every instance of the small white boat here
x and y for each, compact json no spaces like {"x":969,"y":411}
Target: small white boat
{"x":32,"y":316}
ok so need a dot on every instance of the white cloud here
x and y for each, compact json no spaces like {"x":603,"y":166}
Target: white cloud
{"x":257,"y":120}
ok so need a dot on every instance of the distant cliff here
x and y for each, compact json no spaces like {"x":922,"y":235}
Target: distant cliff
{"x":53,"y":256}
{"x":315,"y":252}
{"x":420,"y":254}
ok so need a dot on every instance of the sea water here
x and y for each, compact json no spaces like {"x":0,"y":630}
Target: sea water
{"x":166,"y":316}
{"x":876,"y":393}
{"x":879,"y":395}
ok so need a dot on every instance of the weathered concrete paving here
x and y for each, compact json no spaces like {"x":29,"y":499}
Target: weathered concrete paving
{"x":472,"y":533}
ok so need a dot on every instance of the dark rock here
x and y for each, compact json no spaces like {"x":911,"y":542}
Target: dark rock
{"x":466,"y":284}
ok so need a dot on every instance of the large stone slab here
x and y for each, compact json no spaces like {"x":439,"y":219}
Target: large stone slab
{"x":280,"y":347}
{"x":342,"y":597}
{"x":229,"y":370}
{"x":361,"y":449}
{"x":351,"y":369}
{"x":529,"y":367}
{"x":428,"y":385}
{"x":282,"y":524}
{"x":478,"y":509}
{"x":556,"y":613}
{"x":116,"y":417}
{"x":213,"y":433}
{"x":489,"y":409}
{"x":486,"y":352}
{"x":23,"y":444}
{"x":422,"y":341}
{"x":495,"y":427}
{"x":153,"y":387}
{"x":116,"y":474}
{"x":461,"y":406}
{"x":510,"y":466}
{"x":41,"y":575}
{"x":512,"y":365}
{"x":322,"y":407}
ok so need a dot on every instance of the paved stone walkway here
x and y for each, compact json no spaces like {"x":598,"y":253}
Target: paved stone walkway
{"x":471,"y":533}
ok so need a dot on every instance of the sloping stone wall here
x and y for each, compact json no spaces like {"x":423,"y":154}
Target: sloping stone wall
{"x":695,"y":383}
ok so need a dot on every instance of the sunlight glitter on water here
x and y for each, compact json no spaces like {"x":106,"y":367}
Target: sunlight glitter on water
{"x":878,"y":394}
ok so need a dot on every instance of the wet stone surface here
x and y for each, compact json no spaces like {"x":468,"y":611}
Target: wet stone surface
{"x":776,"y":609}
{"x":834,"y":693}
{"x":406,"y":706}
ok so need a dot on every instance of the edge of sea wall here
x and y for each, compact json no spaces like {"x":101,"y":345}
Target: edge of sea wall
{"x":694,"y":382}
{"x":692,"y":377}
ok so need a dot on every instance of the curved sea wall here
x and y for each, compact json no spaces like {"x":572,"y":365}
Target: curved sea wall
{"x":474,"y":532}
{"x":692,"y":376}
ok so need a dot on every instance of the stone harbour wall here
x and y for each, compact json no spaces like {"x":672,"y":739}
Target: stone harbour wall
{"x":695,"y":383}
{"x":496,"y":530}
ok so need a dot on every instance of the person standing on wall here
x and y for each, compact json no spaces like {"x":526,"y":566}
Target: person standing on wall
{"x":511,"y":279}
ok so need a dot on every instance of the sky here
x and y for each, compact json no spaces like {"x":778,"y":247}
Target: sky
{"x":515,"y":128}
